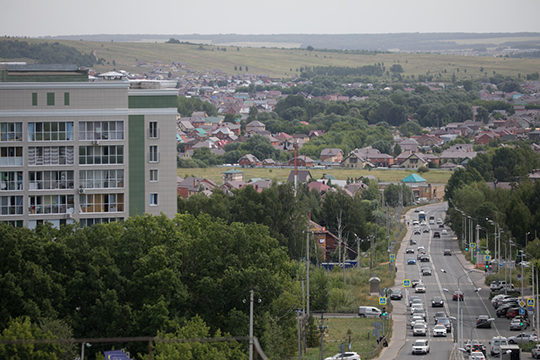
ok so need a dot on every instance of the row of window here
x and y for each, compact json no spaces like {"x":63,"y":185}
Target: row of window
{"x":63,"y":130}
{"x":58,"y":180}
{"x":64,"y":155}
{"x":61,"y":222}
{"x":51,"y":99}
{"x":65,"y":204}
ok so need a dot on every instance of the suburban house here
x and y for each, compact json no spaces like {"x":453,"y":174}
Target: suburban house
{"x":416,"y":160}
{"x":328,"y":242}
{"x":331,"y":155}
{"x":248,"y":160}
{"x":191,"y":186}
{"x":232,"y":175}
{"x":485,"y":137}
{"x":301,"y":160}
{"x":303,"y":176}
{"x":255,"y":125}
{"x":356,"y":159}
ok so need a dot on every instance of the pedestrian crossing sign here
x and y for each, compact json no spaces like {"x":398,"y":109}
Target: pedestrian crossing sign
{"x":407,"y":283}
{"x":382,"y":300}
{"x":487,"y":258}
{"x":530,"y":302}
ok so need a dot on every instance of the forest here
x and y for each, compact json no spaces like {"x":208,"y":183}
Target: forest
{"x":44,"y":53}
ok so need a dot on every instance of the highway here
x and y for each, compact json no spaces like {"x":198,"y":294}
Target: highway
{"x":474,"y":304}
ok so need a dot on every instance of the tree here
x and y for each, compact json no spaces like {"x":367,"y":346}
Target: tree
{"x":397,"y":150}
{"x":383,"y":146}
{"x":482,"y":114}
{"x":396,"y":68}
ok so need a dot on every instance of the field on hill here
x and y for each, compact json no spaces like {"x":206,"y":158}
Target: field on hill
{"x":283,"y":62}
{"x":281,"y":174}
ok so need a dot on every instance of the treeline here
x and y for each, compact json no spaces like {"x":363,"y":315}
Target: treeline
{"x":367,"y":70}
{"x":514,"y":208}
{"x":44,"y":53}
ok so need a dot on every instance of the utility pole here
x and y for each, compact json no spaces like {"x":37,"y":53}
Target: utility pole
{"x":251,"y":324}
{"x":299,"y":337}
{"x":307,"y":275}
{"x":321,"y":329}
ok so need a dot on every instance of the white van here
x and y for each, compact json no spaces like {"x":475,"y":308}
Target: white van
{"x":496,"y":343}
{"x":369,"y":311}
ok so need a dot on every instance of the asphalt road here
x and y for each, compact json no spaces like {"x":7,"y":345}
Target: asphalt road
{"x":474,"y":304}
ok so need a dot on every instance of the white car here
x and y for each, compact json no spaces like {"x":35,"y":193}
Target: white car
{"x":439,"y":330}
{"x":416,"y":306}
{"x":417,"y":319}
{"x":420,"y":347}
{"x":431,"y":222}
{"x":346,"y":356}
{"x":419,"y":330}
{"x":444,"y":232}
{"x":477,"y":355}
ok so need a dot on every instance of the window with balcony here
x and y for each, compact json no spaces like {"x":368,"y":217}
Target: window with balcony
{"x":101,"y":130}
{"x":153,"y":131}
{"x":11,"y":156}
{"x":51,"y":204}
{"x":96,"y":155}
{"x":11,"y":205}
{"x":101,"y":179}
{"x":98,"y":203}
{"x":50,"y":155}
{"x":10,"y":131}
{"x":11,"y":180}
{"x":14,"y":223}
{"x":93,"y":221}
{"x":153,"y":156}
{"x":50,"y":131}
{"x":50,"y":180}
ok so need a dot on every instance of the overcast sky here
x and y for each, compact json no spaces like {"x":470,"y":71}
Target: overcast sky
{"x":74,"y":17}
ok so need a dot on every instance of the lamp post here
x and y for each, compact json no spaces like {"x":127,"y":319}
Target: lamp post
{"x":460,"y":335}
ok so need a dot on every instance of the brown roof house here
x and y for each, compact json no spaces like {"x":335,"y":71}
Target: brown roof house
{"x":301,"y":160}
{"x":331,"y":155}
{"x":191,"y":186}
{"x":249,"y":160}
{"x":416,"y":160}
{"x":303,"y":176}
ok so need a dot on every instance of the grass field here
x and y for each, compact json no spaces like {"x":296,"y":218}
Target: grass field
{"x":282,"y":62}
{"x":281,"y":174}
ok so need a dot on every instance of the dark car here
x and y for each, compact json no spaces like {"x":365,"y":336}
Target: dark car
{"x":447,"y":252}
{"x":424,"y":258}
{"x":483,"y":321}
{"x":412,"y":242}
{"x":426,"y":271}
{"x":446,"y":322}
{"x":397,"y":294}
{"x":439,"y":315}
{"x":437,"y":301}
{"x":436,"y":234}
{"x":479,"y":347}
{"x":441,"y":226}
{"x":501,"y":310}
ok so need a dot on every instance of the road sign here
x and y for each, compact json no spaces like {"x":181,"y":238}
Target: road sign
{"x":530,"y":309}
{"x":501,"y":263}
{"x":487,"y":252}
{"x":377,"y":325}
{"x":522,"y":303}
{"x":519,"y":276}
{"x":382,"y":300}
{"x":473,"y":245}
{"x":392,"y":257}
{"x":521,"y":311}
{"x":407,"y":283}
{"x":487,"y":258}
{"x":376,"y":333}
{"x":530,"y":302}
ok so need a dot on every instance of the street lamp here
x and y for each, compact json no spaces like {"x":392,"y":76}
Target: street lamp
{"x":460,"y":335}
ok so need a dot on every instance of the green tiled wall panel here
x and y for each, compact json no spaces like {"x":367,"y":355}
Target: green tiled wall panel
{"x":136,"y":165}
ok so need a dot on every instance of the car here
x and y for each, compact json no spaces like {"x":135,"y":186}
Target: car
{"x":437,"y":301}
{"x":477,"y":355}
{"x":426,"y":271}
{"x":416,"y":210}
{"x":441,"y":226}
{"x":523,"y":338}
{"x":421,"y":248}
{"x":411,"y":261}
{"x":513,"y":312}
{"x":424,"y":258}
{"x":397,"y":294}
{"x":496,"y":343}
{"x":423,"y":223}
{"x":415,"y":300}
{"x":415,"y":282}
{"x":508,"y":289}
{"x":447,"y":252}
{"x":417,"y":232}
{"x":518,"y":324}
{"x":535,"y":352}
{"x":432,"y":217}
{"x":346,"y":356}
{"x":412,"y":242}
{"x":420,"y":312}
{"x":470,"y":343}
{"x":426,"y":230}
{"x":415,"y":222}
{"x":444,"y":232}
{"x":409,"y":250}
{"x":416,"y":306}
{"x":420,"y":288}
{"x":496,"y":285}
{"x":483,"y":321}
{"x":457,"y":294}
{"x":446,"y":322}
{"x":420,"y":330}
{"x":420,"y":347}
{"x":439,"y":315}
{"x":417,"y":319}
{"x":436,"y":234}
{"x":502,"y":309}
{"x":439,"y":330}
{"x":439,"y":221}
{"x":479,"y":347}
{"x":431,"y":222}
{"x":499,"y":298}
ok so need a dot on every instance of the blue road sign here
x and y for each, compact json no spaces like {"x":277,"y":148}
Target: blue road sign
{"x":487,"y":258}
{"x":530,"y":302}
{"x":392,"y":257}
{"x":501,"y":263}
{"x":407,"y":283}
{"x":473,"y":245}
{"x":521,"y":311}
{"x":382,"y":301}
{"x":530,"y":308}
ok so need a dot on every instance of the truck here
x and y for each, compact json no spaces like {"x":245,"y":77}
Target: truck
{"x":421,"y":216}
{"x":510,"y":352}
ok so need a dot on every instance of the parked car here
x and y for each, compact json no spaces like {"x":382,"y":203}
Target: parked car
{"x":420,"y":288}
{"x":498,"y":298}
{"x":519,"y":324}
{"x":397,"y":294}
{"x":523,"y":338}
{"x":420,"y":347}
{"x":496,"y":285}
{"x":447,"y":252}
{"x":436,"y":234}
{"x":509,"y":289}
{"x":457,"y":294}
{"x":411,"y":261}
{"x":502,"y":309}
{"x":369,"y":311}
{"x":483,"y":321}
{"x":513,"y":312}
{"x":345,"y":356}
{"x":439,"y":330}
{"x":535,"y":352}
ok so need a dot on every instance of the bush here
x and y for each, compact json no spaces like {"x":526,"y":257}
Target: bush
{"x":423,"y":169}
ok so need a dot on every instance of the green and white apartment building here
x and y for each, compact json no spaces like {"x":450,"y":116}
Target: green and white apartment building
{"x":93,"y":152}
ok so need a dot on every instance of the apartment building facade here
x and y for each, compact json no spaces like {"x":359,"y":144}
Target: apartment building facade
{"x":92,"y":152}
